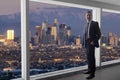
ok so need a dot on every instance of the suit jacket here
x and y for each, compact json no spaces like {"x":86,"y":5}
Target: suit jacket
{"x":94,"y":34}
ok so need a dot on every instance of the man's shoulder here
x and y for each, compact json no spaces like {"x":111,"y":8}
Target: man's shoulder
{"x":94,"y":21}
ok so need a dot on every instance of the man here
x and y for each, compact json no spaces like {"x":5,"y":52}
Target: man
{"x":90,"y":40}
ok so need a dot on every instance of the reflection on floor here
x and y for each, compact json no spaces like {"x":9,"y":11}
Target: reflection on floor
{"x":108,"y":73}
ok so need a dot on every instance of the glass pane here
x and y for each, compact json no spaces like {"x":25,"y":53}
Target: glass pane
{"x":55,"y":37}
{"x":110,"y":42}
{"x":10,"y":35}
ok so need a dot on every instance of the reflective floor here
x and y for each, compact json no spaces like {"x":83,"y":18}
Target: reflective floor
{"x":108,"y":73}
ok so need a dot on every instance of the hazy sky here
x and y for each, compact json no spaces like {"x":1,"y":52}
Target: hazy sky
{"x":9,"y":6}
{"x":13,"y":6}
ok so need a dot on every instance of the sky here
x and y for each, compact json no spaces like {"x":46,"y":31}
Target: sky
{"x":9,"y":6}
{"x":13,"y":6}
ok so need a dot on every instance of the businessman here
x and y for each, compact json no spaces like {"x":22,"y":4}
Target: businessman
{"x":91,"y":36}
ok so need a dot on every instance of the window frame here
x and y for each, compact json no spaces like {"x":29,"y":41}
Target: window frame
{"x":25,"y":50}
{"x":112,"y":61}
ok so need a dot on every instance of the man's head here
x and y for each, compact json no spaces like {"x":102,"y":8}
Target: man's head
{"x":88,"y":16}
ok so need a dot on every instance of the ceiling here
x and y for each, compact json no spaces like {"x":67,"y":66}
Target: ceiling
{"x":113,"y":2}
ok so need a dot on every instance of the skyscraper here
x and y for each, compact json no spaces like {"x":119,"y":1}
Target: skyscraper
{"x":68,"y":32}
{"x":43,"y":38}
{"x":54,"y":32}
{"x":103,"y":39}
{"x":113,"y":40}
{"x":78,"y":41}
{"x":62,"y":33}
{"x":38,"y":30}
{"x":10,"y":34}
{"x":56,"y":22}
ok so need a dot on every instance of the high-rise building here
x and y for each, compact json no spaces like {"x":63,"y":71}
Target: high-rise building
{"x":54,"y":32}
{"x":10,"y":35}
{"x":36,"y":40}
{"x":2,"y":39}
{"x":68,"y":32}
{"x":29,"y":35}
{"x":103,"y":39}
{"x":38,"y":30}
{"x":44,"y":30}
{"x":56,"y":22}
{"x":119,"y":41}
{"x":110,"y":34}
{"x":78,"y":41}
{"x":113,"y":40}
{"x":62,"y":34}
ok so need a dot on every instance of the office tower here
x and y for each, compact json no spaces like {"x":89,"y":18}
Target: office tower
{"x":110,"y":34}
{"x":38,"y":30}
{"x":48,"y":35}
{"x":103,"y":39}
{"x":119,"y":41}
{"x":110,"y":38}
{"x":2,"y":38}
{"x":36,"y":39}
{"x":54,"y":32}
{"x":29,"y":35}
{"x":43,"y":35}
{"x":56,"y":22}
{"x":113,"y":40}
{"x":68,"y":32}
{"x":78,"y":41}
{"x":10,"y":34}
{"x":62,"y":34}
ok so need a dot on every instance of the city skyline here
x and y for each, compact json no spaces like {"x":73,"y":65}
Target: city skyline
{"x":40,"y":12}
{"x":54,"y":38}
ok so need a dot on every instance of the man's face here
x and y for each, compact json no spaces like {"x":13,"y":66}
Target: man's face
{"x":88,"y":16}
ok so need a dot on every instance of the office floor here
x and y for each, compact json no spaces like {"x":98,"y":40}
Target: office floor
{"x":108,"y":73}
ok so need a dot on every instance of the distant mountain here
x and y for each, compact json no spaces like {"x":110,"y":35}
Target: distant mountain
{"x":73,"y":17}
{"x":70,"y":16}
{"x":10,"y":22}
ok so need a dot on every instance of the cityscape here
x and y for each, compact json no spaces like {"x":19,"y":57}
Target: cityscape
{"x":52,"y":48}
{"x":55,"y":41}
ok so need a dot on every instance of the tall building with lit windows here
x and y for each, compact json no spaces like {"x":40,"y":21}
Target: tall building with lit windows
{"x":43,"y":34}
{"x":68,"y":32}
{"x":104,"y":39}
{"x":56,"y":22}
{"x":38,"y":30}
{"x":113,"y":40}
{"x":10,"y":35}
{"x":54,"y":32}
{"x":78,"y":41}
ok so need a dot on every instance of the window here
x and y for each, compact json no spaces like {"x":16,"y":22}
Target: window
{"x":10,"y":39}
{"x":55,"y":37}
{"x":110,"y":42}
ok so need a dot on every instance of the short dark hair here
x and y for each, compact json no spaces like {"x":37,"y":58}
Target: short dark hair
{"x":89,"y":12}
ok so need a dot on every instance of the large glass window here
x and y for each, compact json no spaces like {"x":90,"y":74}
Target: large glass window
{"x":10,"y":39}
{"x":110,"y":41}
{"x":55,"y":37}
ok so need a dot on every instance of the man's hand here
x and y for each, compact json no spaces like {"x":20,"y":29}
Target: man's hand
{"x":92,"y":43}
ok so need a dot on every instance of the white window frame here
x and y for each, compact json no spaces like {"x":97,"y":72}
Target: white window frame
{"x":112,"y":61}
{"x":25,"y":42}
{"x":55,"y":73}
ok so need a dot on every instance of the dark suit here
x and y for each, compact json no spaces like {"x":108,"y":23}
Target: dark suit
{"x":94,"y":36}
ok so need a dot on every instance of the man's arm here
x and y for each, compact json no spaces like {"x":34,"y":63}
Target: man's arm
{"x":98,"y":31}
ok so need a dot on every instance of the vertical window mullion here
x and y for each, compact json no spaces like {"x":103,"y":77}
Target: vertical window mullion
{"x":97,"y":17}
{"x":25,"y":39}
